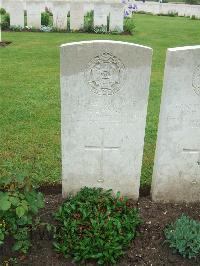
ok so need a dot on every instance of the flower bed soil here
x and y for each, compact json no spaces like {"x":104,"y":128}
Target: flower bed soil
{"x":147,"y":249}
{"x":4,"y":43}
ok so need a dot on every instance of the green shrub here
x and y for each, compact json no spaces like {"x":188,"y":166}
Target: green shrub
{"x":5,"y":21}
{"x":193,"y":17}
{"x":19,"y":203}
{"x":191,"y":2}
{"x":47,"y":10}
{"x":172,"y":14}
{"x":184,"y":236}
{"x":2,"y":11}
{"x":94,"y":224}
{"x":129,"y":25}
{"x":116,"y":31}
{"x":45,"y":19}
{"x":89,"y":22}
{"x":169,"y":14}
{"x":16,"y":28}
{"x":100,"y":29}
{"x":144,"y":12}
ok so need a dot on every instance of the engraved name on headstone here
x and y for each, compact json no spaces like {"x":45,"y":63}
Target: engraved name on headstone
{"x":176,"y":176}
{"x":104,"y":94}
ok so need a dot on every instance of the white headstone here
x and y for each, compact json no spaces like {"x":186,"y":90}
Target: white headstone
{"x":117,"y":17}
{"x":101,"y":12}
{"x":16,"y":11}
{"x":60,"y":10}
{"x":76,"y":16}
{"x":176,"y":175}
{"x":88,"y":6}
{"x":34,"y":10}
{"x":104,"y":94}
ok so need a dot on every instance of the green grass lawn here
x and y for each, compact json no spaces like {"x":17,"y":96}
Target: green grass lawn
{"x":30,"y":93}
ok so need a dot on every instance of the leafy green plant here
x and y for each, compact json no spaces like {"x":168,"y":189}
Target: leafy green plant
{"x":54,"y":29}
{"x":45,"y":19}
{"x":116,"y":31}
{"x":191,"y":2}
{"x":172,"y":14}
{"x":193,"y":17}
{"x":129,"y":25}
{"x":2,"y":11}
{"x":16,"y":28}
{"x":184,"y":236}
{"x":19,"y":203}
{"x":94,"y":224}
{"x":169,"y":14}
{"x":5,"y":21}
{"x":100,"y":29}
{"x":89,"y":22}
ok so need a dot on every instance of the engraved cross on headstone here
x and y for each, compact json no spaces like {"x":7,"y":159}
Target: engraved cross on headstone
{"x":194,"y":151}
{"x":102,"y":148}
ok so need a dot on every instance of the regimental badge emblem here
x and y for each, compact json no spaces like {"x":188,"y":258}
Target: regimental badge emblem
{"x":196,"y":80}
{"x":105,"y":74}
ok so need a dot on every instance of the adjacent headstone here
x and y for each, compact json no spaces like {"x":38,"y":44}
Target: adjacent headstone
{"x":176,"y":176}
{"x":34,"y":10}
{"x":76,"y":16}
{"x":104,"y":95}
{"x":16,"y":11}
{"x":117,"y":17}
{"x":88,"y":6}
{"x":60,"y":10}
{"x":101,"y":12}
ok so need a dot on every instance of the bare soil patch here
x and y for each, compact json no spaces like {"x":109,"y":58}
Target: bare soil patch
{"x":4,"y":43}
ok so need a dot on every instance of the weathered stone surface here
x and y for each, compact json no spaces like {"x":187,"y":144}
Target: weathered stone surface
{"x":60,"y":10}
{"x":104,"y":94}
{"x":101,"y":12}
{"x":76,"y":15}
{"x":88,"y":6}
{"x":34,"y":10}
{"x":177,"y":162}
{"x":16,"y":11}
{"x":116,"y":17}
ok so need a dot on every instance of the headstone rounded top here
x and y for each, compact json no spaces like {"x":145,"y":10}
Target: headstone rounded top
{"x":184,"y":48}
{"x":106,"y":42}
